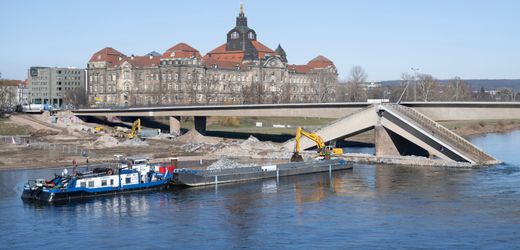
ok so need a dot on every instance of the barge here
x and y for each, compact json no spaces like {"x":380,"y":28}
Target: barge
{"x":130,"y":174}
{"x":189,"y":177}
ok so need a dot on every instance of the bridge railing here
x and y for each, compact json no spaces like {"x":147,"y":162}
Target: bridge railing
{"x":440,"y":131}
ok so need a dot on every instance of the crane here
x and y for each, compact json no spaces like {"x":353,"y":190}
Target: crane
{"x":323,"y":150}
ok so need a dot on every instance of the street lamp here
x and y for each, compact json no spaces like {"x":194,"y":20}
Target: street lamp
{"x":415,"y":83}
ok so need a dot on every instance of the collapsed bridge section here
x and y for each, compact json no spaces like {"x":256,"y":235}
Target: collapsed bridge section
{"x":401,"y":130}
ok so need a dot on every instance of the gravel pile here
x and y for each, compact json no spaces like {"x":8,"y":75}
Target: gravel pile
{"x":224,"y":163}
{"x":136,"y":142}
{"x":194,"y":137}
{"x":106,"y":141}
{"x":251,"y":147}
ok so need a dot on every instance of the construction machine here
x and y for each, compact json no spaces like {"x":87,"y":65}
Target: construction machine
{"x":136,"y":129}
{"x":323,"y":150}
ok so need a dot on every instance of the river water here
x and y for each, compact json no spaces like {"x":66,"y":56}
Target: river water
{"x":369,"y":206}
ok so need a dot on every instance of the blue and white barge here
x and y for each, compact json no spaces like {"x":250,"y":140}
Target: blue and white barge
{"x":130,"y":174}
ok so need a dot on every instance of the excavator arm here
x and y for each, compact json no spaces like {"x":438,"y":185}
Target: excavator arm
{"x":320,"y":144}
{"x":136,"y":129}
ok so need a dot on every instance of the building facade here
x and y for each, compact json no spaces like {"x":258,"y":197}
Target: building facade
{"x":242,"y":70}
{"x":55,"y":86}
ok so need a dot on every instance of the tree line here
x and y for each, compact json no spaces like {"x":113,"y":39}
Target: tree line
{"x":415,"y":87}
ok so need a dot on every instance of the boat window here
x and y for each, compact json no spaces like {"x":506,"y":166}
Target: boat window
{"x":128,"y":180}
{"x":83,"y":184}
{"x":111,"y":182}
{"x":103,"y":182}
{"x":91,"y":184}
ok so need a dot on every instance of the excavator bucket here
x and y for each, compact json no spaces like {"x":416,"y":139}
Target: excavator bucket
{"x":296,"y":157}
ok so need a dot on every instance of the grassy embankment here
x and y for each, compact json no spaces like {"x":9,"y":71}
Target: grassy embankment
{"x":7,"y":127}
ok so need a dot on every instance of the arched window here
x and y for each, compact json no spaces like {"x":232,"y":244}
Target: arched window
{"x":251,"y":35}
{"x":234,"y":35}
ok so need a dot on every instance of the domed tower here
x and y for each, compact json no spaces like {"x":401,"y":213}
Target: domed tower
{"x":281,"y":52}
{"x":241,"y":37}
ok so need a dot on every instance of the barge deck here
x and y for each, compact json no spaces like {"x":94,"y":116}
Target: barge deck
{"x":194,"y":178}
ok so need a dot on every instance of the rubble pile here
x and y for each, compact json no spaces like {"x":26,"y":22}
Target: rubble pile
{"x":135,"y":142}
{"x":224,"y":163}
{"x":105,"y":141}
{"x":194,"y":137}
{"x":251,"y":147}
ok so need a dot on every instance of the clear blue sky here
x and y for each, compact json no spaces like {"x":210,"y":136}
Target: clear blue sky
{"x":470,"y":39}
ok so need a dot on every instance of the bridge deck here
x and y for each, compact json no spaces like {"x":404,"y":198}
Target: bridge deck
{"x":408,"y":124}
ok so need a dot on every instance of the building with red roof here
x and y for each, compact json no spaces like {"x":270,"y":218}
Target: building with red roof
{"x":242,"y":70}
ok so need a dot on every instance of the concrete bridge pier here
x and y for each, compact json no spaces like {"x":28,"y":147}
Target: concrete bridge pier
{"x":200,"y":124}
{"x":389,"y":143}
{"x":383,"y":143}
{"x":175,"y":125}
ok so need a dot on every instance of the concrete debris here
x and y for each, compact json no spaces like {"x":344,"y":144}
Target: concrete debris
{"x":224,"y":163}
{"x":106,"y":141}
{"x":190,"y":147}
{"x":251,"y":147}
{"x":405,"y":160}
{"x":135,"y":142}
{"x":193,"y":136}
{"x":165,"y":136}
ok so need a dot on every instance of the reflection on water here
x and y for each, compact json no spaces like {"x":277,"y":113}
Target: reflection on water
{"x":369,"y":206}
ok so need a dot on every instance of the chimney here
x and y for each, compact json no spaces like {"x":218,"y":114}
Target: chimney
{"x":120,"y":58}
{"x":132,"y":57}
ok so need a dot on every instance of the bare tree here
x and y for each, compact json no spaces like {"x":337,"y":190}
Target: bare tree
{"x":355,"y":90}
{"x":427,"y":84}
{"x":341,"y":92}
{"x":376,"y":92}
{"x":75,"y":97}
{"x":506,"y":95}
{"x":323,"y":86}
{"x":458,"y":90}
{"x":7,"y":96}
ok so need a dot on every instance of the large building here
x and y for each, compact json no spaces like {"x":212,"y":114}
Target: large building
{"x":12,"y":94}
{"x":242,"y":70}
{"x":56,"y":86}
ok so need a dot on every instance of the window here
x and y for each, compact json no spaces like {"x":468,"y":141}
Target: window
{"x":111,"y":182}
{"x":128,"y":180}
{"x":103,"y":183}
{"x":251,"y":35}
{"x":234,"y":35}
{"x":83,"y":184}
{"x":91,"y":184}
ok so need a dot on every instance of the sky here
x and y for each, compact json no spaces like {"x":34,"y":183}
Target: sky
{"x":466,"y":38}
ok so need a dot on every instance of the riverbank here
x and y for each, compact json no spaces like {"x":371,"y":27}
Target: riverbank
{"x":79,"y":141}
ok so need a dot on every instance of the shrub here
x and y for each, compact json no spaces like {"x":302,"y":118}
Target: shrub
{"x":231,"y":121}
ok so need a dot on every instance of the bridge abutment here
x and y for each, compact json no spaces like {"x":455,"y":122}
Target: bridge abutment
{"x":200,"y":124}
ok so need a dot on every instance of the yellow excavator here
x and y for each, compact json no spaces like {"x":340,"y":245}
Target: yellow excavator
{"x":136,"y":129}
{"x":324,"y":151}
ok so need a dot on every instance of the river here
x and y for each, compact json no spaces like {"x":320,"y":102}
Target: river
{"x":369,"y":206}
